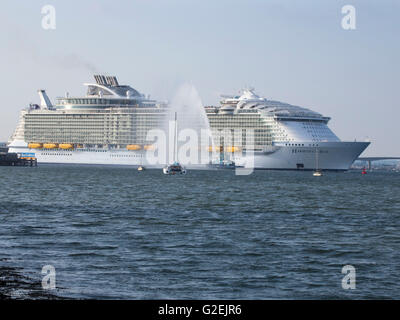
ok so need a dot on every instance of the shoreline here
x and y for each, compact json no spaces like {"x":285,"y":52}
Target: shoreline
{"x":14,"y":285}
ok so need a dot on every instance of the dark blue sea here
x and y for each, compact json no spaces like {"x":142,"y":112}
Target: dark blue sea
{"x":116,"y":233}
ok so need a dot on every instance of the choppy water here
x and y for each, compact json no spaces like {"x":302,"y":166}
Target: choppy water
{"x":119,"y":233}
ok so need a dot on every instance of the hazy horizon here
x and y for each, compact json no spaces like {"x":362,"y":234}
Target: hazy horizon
{"x":292,"y":52}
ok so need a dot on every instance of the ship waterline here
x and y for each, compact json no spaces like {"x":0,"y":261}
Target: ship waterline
{"x":110,"y":126}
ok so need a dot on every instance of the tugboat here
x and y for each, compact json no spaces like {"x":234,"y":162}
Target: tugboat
{"x":175,"y":167}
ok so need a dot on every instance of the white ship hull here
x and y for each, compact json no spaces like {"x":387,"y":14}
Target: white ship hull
{"x":332,"y":156}
{"x":83,"y":156}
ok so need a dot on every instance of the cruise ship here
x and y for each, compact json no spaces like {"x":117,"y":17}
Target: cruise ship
{"x":110,"y":125}
{"x":107,"y":126}
{"x":278,"y":135}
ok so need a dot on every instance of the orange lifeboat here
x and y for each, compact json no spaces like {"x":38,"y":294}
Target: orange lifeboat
{"x":35,"y":145}
{"x":133,"y":147}
{"x":232,"y":149}
{"x":215,"y":148}
{"x":66,"y":146}
{"x":149,"y":147}
{"x":50,"y":145}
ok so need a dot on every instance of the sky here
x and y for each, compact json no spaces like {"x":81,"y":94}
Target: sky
{"x":292,"y":51}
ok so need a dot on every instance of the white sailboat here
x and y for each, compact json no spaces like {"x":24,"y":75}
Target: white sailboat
{"x":317,"y":172}
{"x":141,"y":166}
{"x":175,"y":167}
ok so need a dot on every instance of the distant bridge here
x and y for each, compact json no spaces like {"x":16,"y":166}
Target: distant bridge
{"x":370,"y":159}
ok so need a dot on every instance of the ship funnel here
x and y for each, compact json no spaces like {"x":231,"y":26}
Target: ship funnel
{"x":44,"y":100}
{"x":106,"y":80}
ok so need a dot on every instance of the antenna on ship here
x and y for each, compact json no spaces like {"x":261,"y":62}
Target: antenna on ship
{"x":175,"y":140}
{"x":317,"y":172}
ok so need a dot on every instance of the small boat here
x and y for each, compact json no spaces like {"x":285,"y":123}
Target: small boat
{"x":317,"y":172}
{"x":223,"y":165}
{"x":175,"y":167}
{"x":364,"y":171}
{"x":141,"y":168}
